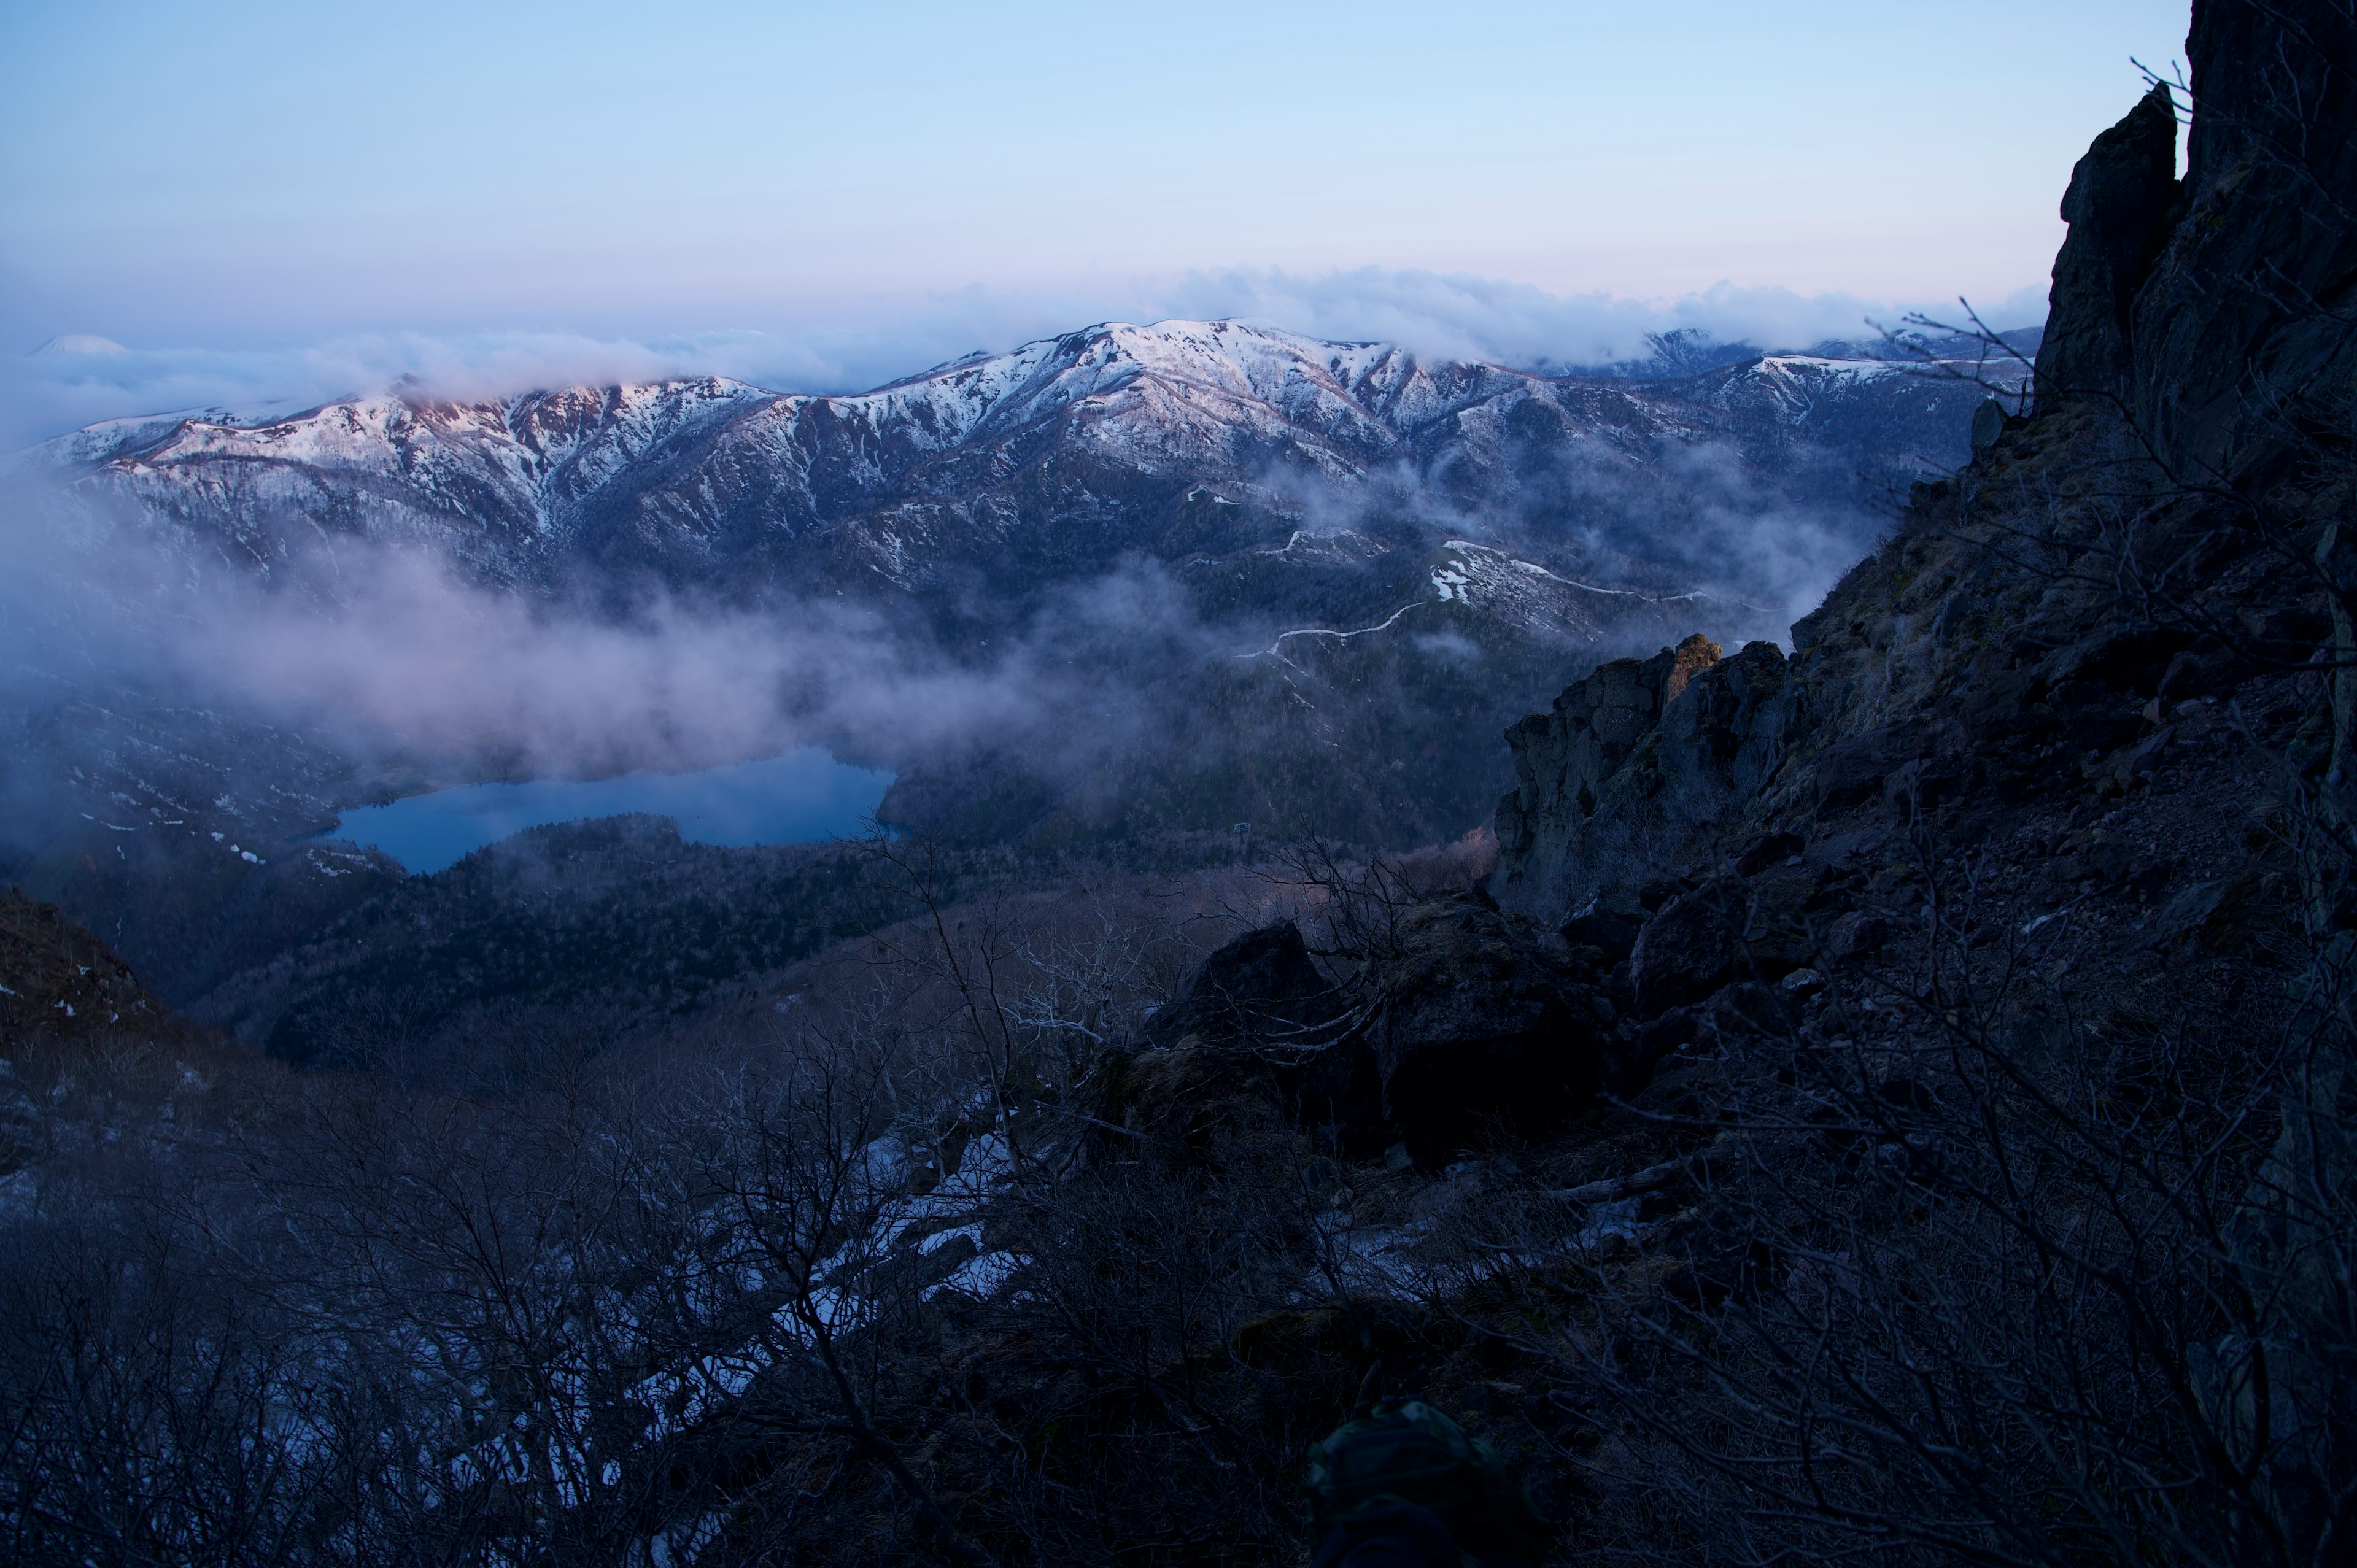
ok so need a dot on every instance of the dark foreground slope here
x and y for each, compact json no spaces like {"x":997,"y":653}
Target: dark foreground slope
{"x":1990,"y":951}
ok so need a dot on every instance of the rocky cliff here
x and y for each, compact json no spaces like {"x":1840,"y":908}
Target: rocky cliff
{"x":2146,"y":538}
{"x":1635,"y":769}
{"x":1877,"y":1010}
{"x":2241,"y":330}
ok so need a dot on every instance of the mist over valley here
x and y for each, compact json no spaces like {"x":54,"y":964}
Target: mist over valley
{"x":1523,"y":870}
{"x":1125,"y":582}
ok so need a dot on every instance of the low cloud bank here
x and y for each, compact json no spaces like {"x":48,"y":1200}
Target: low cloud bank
{"x":391,"y":653}
{"x":1445,"y":315}
{"x":394,"y":653}
{"x":80,"y":379}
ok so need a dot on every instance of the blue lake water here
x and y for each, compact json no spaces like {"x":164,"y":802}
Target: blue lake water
{"x":802,"y":797}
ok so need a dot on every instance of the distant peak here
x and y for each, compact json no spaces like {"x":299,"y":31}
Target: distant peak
{"x":68,"y":344}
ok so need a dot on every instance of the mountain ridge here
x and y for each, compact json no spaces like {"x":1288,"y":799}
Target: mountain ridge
{"x":1242,"y":489}
{"x":690,"y":479}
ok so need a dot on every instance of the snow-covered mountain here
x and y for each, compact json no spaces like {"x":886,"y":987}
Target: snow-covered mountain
{"x":1052,"y":459}
{"x":1331,"y":573}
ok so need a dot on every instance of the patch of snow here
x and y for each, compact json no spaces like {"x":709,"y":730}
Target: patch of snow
{"x":939,"y":1239}
{"x":981,"y":1277}
{"x":1274,"y":648}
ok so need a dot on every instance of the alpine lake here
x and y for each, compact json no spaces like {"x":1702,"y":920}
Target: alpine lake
{"x":803,"y":795}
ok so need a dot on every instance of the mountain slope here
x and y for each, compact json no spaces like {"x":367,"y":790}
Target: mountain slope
{"x":1424,"y":548}
{"x":1061,"y":455}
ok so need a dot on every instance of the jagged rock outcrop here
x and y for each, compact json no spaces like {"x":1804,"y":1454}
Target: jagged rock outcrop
{"x":1636,"y":770}
{"x":1564,"y":758}
{"x":2247,"y":315}
{"x":2206,"y":311}
{"x":2011,"y":628}
{"x":2119,"y":206}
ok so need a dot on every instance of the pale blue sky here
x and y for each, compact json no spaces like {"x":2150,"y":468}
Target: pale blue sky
{"x":265,"y":175}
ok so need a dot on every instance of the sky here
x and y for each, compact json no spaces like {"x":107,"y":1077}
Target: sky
{"x":271,"y":202}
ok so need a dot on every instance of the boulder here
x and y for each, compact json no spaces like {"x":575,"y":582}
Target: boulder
{"x":1251,"y":1042}
{"x":1857,"y":935}
{"x":1688,"y":950}
{"x":1484,"y":1025}
{"x":1727,"y":929}
{"x":1471,"y":1022}
{"x":1262,"y":987}
{"x":1180,"y":1097}
{"x":2206,"y":668}
{"x":1988,"y":424}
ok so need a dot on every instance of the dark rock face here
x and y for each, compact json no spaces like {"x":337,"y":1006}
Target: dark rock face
{"x":1727,"y":732}
{"x":1635,"y":772}
{"x":2006,"y":681}
{"x":1855,"y":769}
{"x":2207,"y":313}
{"x":1261,"y":987}
{"x":2119,"y":207}
{"x":1857,"y":935}
{"x":2246,"y":310}
{"x":1726,"y":930}
{"x":1565,"y":757}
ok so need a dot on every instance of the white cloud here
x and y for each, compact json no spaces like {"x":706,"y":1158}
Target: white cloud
{"x":74,"y":380}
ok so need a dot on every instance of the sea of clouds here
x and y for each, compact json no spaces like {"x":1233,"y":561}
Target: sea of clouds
{"x":78,"y":380}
